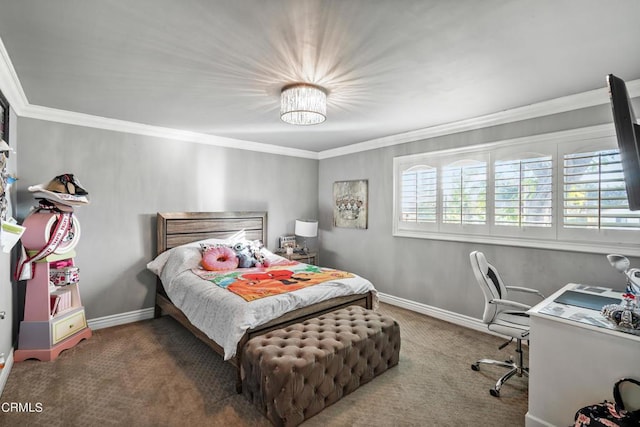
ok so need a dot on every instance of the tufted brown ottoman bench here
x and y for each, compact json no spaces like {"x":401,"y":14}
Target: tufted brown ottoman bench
{"x":293,"y":373}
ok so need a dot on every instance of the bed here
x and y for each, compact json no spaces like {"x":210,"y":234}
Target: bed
{"x":178,"y":234}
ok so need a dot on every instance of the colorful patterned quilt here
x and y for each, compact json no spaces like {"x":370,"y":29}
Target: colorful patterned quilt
{"x":255,"y":283}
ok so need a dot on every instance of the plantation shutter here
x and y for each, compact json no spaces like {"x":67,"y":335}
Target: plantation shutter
{"x":419,"y":194}
{"x":523,"y":193}
{"x":594,"y":192}
{"x":464,"y":193}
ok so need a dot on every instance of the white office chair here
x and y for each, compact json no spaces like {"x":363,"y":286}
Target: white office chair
{"x":502,"y":315}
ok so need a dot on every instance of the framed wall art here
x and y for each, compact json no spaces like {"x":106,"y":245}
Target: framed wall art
{"x":350,"y":203}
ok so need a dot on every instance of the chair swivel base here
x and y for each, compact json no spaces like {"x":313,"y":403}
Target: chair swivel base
{"x":514,"y":370}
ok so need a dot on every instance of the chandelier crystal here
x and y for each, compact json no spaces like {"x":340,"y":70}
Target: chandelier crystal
{"x":303,"y":104}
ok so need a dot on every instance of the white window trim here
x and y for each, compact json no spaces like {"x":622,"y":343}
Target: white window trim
{"x":528,"y":237}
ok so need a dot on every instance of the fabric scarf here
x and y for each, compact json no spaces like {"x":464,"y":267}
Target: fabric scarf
{"x":62,"y":228}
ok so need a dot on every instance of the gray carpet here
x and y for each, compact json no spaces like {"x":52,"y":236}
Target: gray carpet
{"x":155,"y":373}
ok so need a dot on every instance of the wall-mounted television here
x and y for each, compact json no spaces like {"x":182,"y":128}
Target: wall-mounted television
{"x":628,"y":133}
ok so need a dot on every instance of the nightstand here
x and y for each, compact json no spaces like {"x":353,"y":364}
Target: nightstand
{"x":308,"y":258}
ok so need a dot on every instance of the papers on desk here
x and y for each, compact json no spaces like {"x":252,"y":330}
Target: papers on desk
{"x":585,"y":315}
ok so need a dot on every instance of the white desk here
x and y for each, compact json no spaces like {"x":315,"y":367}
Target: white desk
{"x":574,"y":363}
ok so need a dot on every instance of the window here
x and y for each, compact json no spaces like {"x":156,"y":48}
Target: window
{"x":568,"y":194}
{"x":419,"y":194}
{"x":464,"y":193}
{"x":594,"y":192}
{"x":523,"y":192}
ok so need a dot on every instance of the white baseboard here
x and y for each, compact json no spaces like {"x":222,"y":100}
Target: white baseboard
{"x":4,"y":373}
{"x":121,"y":318}
{"x":438,"y":313}
{"x":531,"y":421}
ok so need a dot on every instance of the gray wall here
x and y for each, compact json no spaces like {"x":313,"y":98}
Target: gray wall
{"x":131,"y":177}
{"x":438,"y":273}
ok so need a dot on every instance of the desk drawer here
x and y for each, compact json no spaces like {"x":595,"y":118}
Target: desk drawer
{"x":67,"y":326}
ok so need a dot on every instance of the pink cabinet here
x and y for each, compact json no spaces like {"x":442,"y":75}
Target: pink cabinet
{"x":54,"y":318}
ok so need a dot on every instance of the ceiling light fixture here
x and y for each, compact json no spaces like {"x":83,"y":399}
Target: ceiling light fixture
{"x":303,"y":104}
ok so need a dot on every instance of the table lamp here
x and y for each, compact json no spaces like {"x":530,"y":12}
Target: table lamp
{"x":623,"y":265}
{"x":306,"y":228}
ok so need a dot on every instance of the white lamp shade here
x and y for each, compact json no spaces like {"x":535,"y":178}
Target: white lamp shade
{"x":306,"y":228}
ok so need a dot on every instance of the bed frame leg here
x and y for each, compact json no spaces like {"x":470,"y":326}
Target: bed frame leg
{"x":157,"y":311}
{"x":238,"y":362}
{"x":239,"y":371}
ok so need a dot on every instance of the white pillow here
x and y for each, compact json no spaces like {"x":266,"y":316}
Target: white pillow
{"x":157,"y":265}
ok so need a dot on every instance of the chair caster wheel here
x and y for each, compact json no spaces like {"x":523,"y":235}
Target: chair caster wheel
{"x":495,"y":393}
{"x":475,"y":367}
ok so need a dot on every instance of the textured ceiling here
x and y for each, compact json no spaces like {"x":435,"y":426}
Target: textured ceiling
{"x":216,"y":67}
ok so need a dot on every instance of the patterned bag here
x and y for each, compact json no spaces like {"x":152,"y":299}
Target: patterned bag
{"x":609,"y":414}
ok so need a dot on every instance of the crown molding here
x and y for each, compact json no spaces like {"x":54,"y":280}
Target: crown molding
{"x":540,"y":109}
{"x":70,"y":117}
{"x":9,"y":82}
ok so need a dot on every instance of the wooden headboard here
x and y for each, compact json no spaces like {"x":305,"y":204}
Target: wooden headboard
{"x":178,"y":228}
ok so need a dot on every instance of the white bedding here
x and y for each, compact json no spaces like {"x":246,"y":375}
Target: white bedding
{"x":224,"y":316}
